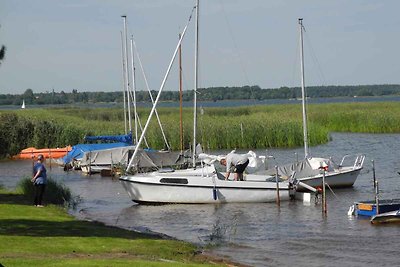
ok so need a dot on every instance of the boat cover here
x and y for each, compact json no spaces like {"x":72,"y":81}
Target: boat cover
{"x":78,"y":150}
{"x":306,"y":168}
{"x":146,"y":159}
{"x":125,"y":138}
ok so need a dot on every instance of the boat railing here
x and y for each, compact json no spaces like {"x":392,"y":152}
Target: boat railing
{"x":358,"y":162}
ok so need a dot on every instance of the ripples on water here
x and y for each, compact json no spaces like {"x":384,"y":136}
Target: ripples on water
{"x":260,"y":234}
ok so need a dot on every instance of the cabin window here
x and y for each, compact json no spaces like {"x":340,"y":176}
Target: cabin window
{"x":174,"y":181}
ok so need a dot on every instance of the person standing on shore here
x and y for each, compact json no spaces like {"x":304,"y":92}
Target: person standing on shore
{"x":236,"y":163}
{"x":39,"y":180}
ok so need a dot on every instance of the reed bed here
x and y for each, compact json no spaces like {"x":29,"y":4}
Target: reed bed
{"x":248,"y":127}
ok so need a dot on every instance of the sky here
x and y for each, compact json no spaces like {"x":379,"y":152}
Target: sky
{"x":76,"y":44}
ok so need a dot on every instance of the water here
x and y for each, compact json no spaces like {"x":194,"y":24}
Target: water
{"x":224,"y":103}
{"x":260,"y":234}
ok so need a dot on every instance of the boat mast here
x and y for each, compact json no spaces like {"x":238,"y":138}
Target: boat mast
{"x":123,"y":81}
{"x":196,"y":63}
{"x":151,"y":97}
{"x":134,"y":91}
{"x":303,"y":91}
{"x":157,"y":99}
{"x":127,"y":74}
{"x":180,"y":97}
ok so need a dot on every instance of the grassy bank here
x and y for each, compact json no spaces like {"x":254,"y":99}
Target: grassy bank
{"x":218,"y":128}
{"x":31,"y":236}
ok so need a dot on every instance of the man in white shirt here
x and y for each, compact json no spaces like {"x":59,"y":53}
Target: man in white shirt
{"x":236,"y":163}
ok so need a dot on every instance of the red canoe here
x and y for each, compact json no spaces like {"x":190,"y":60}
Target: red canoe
{"x":53,"y":153}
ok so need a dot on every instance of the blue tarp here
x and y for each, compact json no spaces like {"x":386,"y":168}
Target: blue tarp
{"x":125,"y":138}
{"x":78,"y":150}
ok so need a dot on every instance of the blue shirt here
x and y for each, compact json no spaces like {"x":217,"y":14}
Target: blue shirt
{"x":42,"y":178}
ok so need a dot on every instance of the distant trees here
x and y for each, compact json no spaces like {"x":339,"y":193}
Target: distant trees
{"x":205,"y":94}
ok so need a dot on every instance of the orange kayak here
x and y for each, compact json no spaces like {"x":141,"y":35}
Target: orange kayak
{"x":53,"y":153}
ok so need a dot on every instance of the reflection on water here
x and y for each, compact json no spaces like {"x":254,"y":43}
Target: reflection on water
{"x":259,"y":234}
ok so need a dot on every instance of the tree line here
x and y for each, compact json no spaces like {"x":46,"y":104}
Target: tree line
{"x":204,"y":94}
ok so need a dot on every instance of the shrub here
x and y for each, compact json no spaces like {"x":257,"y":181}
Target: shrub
{"x":56,"y":192}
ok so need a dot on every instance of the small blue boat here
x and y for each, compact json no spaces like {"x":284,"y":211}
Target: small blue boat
{"x":369,"y":208}
{"x":379,"y":210}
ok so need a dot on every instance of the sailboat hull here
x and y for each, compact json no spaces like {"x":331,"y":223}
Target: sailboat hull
{"x":159,"y":188}
{"x":335,"y":179}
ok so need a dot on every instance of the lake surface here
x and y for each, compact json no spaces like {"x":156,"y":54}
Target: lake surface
{"x":224,"y":103}
{"x":262,"y":234}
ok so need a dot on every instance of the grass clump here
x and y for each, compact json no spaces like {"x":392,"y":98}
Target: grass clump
{"x":55,"y":193}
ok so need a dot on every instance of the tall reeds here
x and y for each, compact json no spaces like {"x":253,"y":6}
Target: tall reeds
{"x":218,"y":128}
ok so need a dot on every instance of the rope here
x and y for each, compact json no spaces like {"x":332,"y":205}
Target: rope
{"x":151,"y":97}
{"x":234,"y":44}
{"x":314,"y":57}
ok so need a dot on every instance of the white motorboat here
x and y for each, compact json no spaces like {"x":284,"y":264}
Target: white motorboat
{"x":200,"y":186}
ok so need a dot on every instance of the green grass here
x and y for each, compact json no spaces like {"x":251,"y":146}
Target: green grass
{"x":31,"y":236}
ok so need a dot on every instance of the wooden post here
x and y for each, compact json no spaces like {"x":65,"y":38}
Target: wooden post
{"x":373,"y":173}
{"x":278,"y":199}
{"x":377,"y":196}
{"x":50,"y":157}
{"x":90,"y":163}
{"x":324,"y":207}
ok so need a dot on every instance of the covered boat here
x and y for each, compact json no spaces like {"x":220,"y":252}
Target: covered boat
{"x":146,"y":160}
{"x":74,"y":156}
{"x":309,"y":172}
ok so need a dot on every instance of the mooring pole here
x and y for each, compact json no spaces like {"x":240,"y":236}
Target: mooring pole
{"x":377,"y":196}
{"x":278,"y":199}
{"x":324,"y":207}
{"x":373,"y":173}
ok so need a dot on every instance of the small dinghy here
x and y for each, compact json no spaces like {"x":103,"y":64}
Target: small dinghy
{"x":379,"y":210}
{"x":370,"y":208}
{"x":387,"y":217}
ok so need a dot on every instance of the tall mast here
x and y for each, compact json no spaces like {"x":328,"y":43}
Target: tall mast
{"x":303,"y":91}
{"x":127,"y":74}
{"x":180,"y":97}
{"x":156,"y":101}
{"x":123,"y":81}
{"x":196,"y":63}
{"x":134,"y":91}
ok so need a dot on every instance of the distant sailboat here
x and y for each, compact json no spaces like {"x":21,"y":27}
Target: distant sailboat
{"x":23,"y":104}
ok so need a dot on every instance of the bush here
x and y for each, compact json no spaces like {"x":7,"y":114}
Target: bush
{"x":56,"y":192}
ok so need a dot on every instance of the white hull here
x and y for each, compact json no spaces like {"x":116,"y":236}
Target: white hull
{"x":195,"y":189}
{"x":345,"y":177}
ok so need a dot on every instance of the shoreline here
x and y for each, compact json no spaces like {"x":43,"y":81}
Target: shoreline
{"x":203,"y":252}
{"x":40,"y":237}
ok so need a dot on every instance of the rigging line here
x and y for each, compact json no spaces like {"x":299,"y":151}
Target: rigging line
{"x":137,"y":118}
{"x":141,"y":129}
{"x":234,"y":43}
{"x":158,"y":97}
{"x":331,"y":190}
{"x":314,"y":57}
{"x":151,"y":96}
{"x":294,"y":69}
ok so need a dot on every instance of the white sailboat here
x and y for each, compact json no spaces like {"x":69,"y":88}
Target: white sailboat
{"x":310,"y":169}
{"x":23,"y":104}
{"x":198,"y":185}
